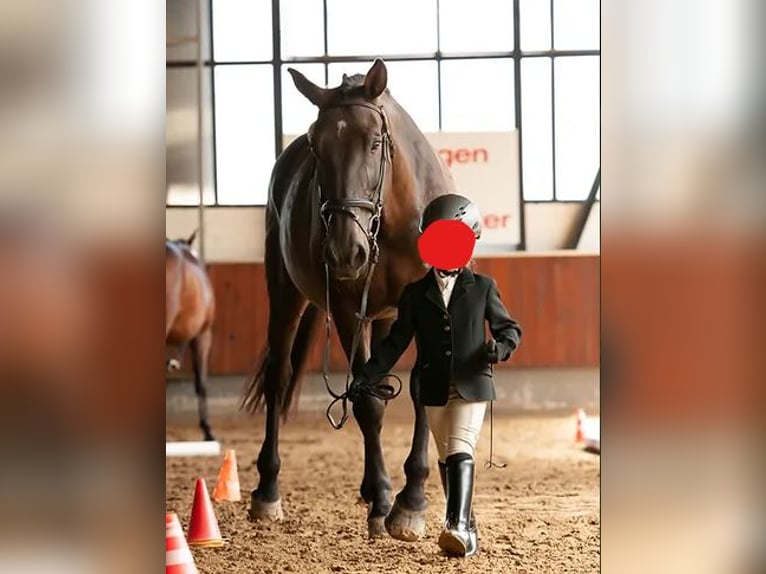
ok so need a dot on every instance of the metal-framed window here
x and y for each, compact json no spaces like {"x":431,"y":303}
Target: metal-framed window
{"x":529,"y":65}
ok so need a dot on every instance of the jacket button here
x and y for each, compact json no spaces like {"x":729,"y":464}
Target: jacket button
{"x":448,"y":353}
{"x":446,"y":327}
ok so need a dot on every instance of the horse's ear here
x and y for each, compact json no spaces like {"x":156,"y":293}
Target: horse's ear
{"x":192,"y":237}
{"x":309,"y":89}
{"x":376,"y":79}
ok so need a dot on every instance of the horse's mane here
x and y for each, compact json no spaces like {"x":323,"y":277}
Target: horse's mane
{"x":351,"y":87}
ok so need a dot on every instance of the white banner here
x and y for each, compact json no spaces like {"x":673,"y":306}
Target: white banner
{"x":486,"y":170}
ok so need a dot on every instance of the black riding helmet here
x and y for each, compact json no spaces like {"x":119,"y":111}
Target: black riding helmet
{"x":452,"y":207}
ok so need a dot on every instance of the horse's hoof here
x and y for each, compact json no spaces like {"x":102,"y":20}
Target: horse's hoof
{"x":375,"y":527}
{"x":260,"y":510}
{"x":406,"y":525}
{"x":209,"y":437}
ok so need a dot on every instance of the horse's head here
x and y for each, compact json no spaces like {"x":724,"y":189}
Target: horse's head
{"x":352,"y":145}
{"x":184,"y":244}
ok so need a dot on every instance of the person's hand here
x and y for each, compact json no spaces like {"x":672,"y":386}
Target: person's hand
{"x":490,"y":352}
{"x":358,"y":386}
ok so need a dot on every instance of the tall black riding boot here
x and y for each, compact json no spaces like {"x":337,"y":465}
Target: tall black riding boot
{"x":460,"y":536}
{"x":443,"y":476}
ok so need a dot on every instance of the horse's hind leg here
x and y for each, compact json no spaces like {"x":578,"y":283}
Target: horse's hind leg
{"x":368,"y":411}
{"x":200,"y":350}
{"x":407,"y":519}
{"x":286,"y":306}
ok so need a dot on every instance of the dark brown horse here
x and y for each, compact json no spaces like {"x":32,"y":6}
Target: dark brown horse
{"x":348,"y":191}
{"x":189,"y":314}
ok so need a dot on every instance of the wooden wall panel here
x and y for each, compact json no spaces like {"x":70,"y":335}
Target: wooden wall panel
{"x":554,"y":298}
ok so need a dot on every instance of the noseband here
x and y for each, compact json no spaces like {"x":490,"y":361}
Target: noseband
{"x":327,"y":209}
{"x":374,"y":205}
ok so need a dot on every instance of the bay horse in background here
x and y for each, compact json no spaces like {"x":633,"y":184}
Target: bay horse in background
{"x":189,"y":314}
{"x":343,"y":199}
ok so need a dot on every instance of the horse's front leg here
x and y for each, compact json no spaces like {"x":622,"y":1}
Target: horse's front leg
{"x":407,"y":519}
{"x":368,"y":411}
{"x":376,"y":485}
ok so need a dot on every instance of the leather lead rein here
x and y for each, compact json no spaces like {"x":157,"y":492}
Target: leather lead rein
{"x":327,"y":209}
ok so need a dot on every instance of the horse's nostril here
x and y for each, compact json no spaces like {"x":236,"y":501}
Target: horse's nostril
{"x":359,"y":255}
{"x":330,"y":254}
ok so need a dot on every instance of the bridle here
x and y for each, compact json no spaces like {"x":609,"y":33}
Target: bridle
{"x":327,"y":209}
{"x":330,"y":207}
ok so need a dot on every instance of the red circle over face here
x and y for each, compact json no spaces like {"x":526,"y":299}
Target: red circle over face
{"x":447,"y":244}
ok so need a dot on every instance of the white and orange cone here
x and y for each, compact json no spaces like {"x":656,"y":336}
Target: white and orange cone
{"x":227,"y":488}
{"x":178,"y":557}
{"x":579,"y":434}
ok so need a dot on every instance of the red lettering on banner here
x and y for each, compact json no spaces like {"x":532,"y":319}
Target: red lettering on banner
{"x":495,"y":221}
{"x":480,"y":152}
{"x":464,"y":155}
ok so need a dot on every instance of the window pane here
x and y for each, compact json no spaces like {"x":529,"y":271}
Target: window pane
{"x":181,"y":154}
{"x":297,"y":112}
{"x":375,"y":28}
{"x":476,"y":26}
{"x":414,"y":85}
{"x":335,"y":71}
{"x":241,"y":30}
{"x":576,"y":24}
{"x":181,"y":21}
{"x":577,"y":125}
{"x":302,"y":28}
{"x":535,"y":16}
{"x":244,"y":117}
{"x":536,"y":134}
{"x":477,"y":95}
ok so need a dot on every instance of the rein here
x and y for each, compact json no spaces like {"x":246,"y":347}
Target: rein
{"x":327,"y":209}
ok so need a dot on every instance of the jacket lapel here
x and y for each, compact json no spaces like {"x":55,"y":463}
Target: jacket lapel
{"x":463,"y":283}
{"x":432,"y":291}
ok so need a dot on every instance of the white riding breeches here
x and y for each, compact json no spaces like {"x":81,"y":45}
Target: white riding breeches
{"x":456,"y":426}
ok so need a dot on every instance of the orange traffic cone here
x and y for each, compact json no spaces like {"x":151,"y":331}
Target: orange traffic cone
{"x":579,"y":436}
{"x":203,"y":527}
{"x":228,"y":480}
{"x":178,"y":557}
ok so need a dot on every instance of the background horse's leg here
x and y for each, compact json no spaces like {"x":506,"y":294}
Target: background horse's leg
{"x":407,"y":519}
{"x":173,"y":363}
{"x":200,"y":350}
{"x":286,"y":306}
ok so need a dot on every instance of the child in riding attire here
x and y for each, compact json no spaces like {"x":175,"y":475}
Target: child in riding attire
{"x":446,"y":312}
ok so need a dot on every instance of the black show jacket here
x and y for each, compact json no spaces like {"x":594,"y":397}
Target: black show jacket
{"x":450,"y":341}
